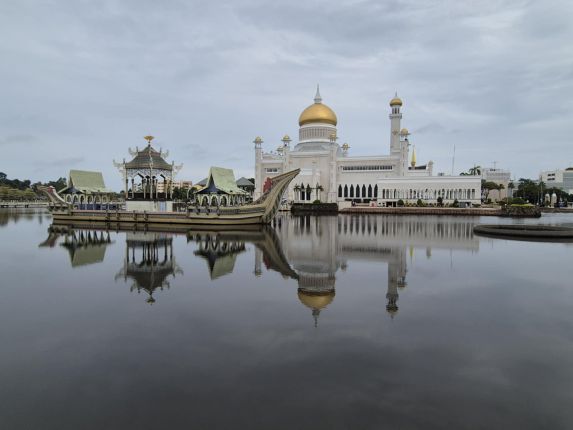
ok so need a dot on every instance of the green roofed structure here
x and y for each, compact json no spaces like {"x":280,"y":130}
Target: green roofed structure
{"x":86,"y":189}
{"x":221,"y":189}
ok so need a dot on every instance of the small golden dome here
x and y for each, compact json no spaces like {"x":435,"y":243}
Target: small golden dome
{"x":258,"y":139}
{"x":404,"y":132}
{"x":396,"y":101}
{"x":316,"y":300}
{"x":317,"y":112}
{"x":286,"y":138}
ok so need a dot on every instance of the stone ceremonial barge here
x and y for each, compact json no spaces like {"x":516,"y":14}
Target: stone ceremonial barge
{"x":261,"y":211}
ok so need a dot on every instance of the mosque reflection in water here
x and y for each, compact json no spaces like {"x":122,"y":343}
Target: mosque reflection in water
{"x":310,"y":250}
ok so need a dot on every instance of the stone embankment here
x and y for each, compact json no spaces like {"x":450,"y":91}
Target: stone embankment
{"x":315,"y":208}
{"x":521,"y":211}
{"x":424,"y":211}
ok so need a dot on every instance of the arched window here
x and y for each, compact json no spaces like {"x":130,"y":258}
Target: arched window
{"x":370,"y":191}
{"x":363,"y":190}
{"x":358,"y":191}
{"x":352,"y":191}
{"x":224,"y":201}
{"x":340,"y":191}
{"x":376,"y":191}
{"x":345,"y":190}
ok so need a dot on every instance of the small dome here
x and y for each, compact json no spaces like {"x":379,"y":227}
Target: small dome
{"x":404,"y":132}
{"x":317,"y":112}
{"x":396,"y":101}
{"x":286,"y":138}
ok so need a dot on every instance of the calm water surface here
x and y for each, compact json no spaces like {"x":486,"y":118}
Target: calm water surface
{"x":349,"y":322}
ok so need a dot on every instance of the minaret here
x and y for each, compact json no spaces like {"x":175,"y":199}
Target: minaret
{"x":258,"y":167}
{"x":395,"y":118}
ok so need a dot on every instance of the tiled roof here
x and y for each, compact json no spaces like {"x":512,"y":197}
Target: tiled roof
{"x":86,"y":182}
{"x":142,"y":160}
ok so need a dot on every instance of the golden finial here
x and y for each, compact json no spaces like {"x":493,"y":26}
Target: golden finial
{"x":345,"y":147}
{"x":149,"y":139}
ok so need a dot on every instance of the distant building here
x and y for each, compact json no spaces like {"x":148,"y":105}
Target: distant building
{"x":246,"y":185}
{"x":86,"y":189}
{"x":562,"y":179}
{"x":176,"y":184}
{"x":500,"y":177}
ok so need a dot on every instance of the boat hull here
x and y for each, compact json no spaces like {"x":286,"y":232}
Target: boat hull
{"x":173,"y":218}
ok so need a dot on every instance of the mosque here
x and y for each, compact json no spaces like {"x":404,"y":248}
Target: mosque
{"x":330,"y":174}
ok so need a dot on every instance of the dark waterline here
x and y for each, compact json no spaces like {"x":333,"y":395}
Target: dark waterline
{"x":362,"y":322}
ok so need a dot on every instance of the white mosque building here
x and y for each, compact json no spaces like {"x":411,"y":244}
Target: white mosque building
{"x":330,"y":174}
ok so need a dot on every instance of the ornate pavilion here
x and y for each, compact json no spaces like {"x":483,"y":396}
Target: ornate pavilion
{"x":86,"y":190}
{"x":145,"y":175}
{"x":221,"y":189}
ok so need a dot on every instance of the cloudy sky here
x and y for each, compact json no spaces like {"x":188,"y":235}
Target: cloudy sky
{"x":81,"y":81}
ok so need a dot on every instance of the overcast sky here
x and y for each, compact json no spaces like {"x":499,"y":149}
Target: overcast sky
{"x":81,"y":81}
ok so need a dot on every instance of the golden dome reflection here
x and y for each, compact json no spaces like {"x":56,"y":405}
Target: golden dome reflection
{"x":316,"y":300}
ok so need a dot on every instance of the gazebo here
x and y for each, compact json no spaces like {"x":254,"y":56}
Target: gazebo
{"x":220,"y":189}
{"x":148,"y":179}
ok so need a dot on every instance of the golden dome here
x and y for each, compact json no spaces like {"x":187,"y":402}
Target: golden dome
{"x":315,"y":301}
{"x":396,"y":101}
{"x":404,"y":132}
{"x":317,"y":112}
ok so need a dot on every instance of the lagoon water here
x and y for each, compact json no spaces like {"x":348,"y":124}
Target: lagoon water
{"x":361,"y":322}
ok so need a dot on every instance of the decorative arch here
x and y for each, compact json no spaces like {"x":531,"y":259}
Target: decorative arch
{"x":345,"y":190}
{"x":363,"y":190}
{"x":205,"y":201}
{"x":370,"y":190}
{"x":340,"y":191}
{"x":224,"y":201}
{"x":376,"y":191}
{"x":214,"y":201}
{"x":351,"y":190}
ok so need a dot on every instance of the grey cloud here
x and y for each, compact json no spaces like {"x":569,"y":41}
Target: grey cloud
{"x":92,"y":79}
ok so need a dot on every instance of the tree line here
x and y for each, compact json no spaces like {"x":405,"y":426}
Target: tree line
{"x":17,"y":189}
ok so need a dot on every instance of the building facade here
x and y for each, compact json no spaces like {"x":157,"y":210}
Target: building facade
{"x":330,"y":174}
{"x":562,"y":179}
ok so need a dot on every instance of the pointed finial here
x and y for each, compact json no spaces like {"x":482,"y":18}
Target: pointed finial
{"x":317,"y":98}
{"x":413,"y":162}
{"x":149,"y":139}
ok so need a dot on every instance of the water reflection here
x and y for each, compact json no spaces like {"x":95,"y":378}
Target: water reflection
{"x":307,"y":249}
{"x":318,"y":247}
{"x":84,"y":246}
{"x":149,"y":262}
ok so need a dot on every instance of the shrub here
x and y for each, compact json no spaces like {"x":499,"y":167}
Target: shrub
{"x":420,"y":203}
{"x":518,"y":201}
{"x":316,"y":202}
{"x":440,"y":201}
{"x":400,"y":202}
{"x":456,"y":204}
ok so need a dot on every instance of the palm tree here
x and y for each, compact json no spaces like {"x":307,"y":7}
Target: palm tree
{"x":318,"y":189}
{"x":296,"y":192}
{"x":475,"y":171}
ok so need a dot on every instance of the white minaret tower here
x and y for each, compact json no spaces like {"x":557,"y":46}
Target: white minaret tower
{"x":258,"y":167}
{"x":395,"y":118}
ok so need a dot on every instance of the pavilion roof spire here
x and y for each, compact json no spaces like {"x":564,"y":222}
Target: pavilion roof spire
{"x":317,"y":98}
